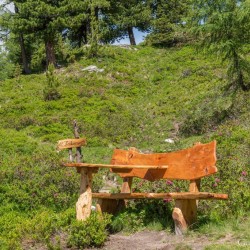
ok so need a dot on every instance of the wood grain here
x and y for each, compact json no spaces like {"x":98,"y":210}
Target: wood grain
{"x":70,"y":143}
{"x":188,"y":164}
{"x":83,"y":205}
{"x":176,"y":196}
{"x":115,"y":167}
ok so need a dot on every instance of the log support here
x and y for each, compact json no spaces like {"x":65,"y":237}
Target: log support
{"x":185,"y":211}
{"x":106,"y":206}
{"x":83,"y":205}
{"x":113,"y":206}
{"x":126,"y":188}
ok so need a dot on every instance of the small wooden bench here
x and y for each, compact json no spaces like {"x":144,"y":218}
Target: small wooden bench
{"x":190,"y":164}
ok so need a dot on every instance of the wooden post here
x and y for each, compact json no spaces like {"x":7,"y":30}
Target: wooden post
{"x":83,"y":205}
{"x":185,"y":211}
{"x":114,"y":206}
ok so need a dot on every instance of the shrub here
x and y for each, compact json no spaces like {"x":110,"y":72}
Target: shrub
{"x":50,"y":92}
{"x":91,"y":232}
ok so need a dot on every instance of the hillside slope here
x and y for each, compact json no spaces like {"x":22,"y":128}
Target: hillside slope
{"x":142,"y":97}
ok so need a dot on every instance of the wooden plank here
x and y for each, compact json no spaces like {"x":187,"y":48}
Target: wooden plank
{"x":70,"y":143}
{"x":188,"y":164}
{"x":114,"y":166}
{"x":176,"y":196}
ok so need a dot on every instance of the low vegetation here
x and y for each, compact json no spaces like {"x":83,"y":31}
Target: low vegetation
{"x":142,"y":97}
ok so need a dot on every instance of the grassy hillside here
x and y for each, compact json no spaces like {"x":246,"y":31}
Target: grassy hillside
{"x":143,"y":96}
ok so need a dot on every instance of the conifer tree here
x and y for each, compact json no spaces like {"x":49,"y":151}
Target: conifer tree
{"x":47,"y":20}
{"x":9,"y":32}
{"x":223,"y":28}
{"x":167,"y":18}
{"x":123,"y":16}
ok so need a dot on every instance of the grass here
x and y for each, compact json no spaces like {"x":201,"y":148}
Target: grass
{"x":141,"y":98}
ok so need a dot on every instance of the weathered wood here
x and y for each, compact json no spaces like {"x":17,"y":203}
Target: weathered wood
{"x":188,"y":164}
{"x":70,"y":143}
{"x":106,"y":206}
{"x":194,"y":186}
{"x":126,"y":188}
{"x":71,"y":158}
{"x":127,"y":185}
{"x":176,"y":196}
{"x":185,"y":211}
{"x":179,"y":221}
{"x":114,"y":167}
{"x":83,"y":205}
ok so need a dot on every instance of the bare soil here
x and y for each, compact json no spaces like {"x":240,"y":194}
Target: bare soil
{"x":145,"y":240}
{"x":153,"y":240}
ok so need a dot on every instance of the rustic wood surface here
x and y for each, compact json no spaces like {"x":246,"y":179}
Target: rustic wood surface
{"x":70,"y":143}
{"x":189,"y":164}
{"x":83,"y":205}
{"x":179,"y":221}
{"x":114,"y":166}
{"x":180,"y":196}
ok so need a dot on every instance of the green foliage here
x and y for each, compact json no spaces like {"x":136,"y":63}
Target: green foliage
{"x":230,"y":46}
{"x":6,"y":67}
{"x":167,"y":22}
{"x":50,"y":92}
{"x":141,"y":98}
{"x":143,"y":214}
{"x":91,"y":232}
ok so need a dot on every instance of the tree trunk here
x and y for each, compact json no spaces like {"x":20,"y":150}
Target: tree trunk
{"x":131,"y":36}
{"x":240,"y":78}
{"x":241,"y":82}
{"x":50,"y":53}
{"x":25,"y":64}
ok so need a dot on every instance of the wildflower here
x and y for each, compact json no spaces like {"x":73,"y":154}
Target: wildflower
{"x":215,"y":185}
{"x":244,"y":173}
{"x":167,"y":200}
{"x":177,"y":189}
{"x":217,"y":180}
{"x":168,"y":182}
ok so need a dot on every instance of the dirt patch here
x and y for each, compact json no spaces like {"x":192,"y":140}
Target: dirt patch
{"x":145,"y":240}
{"x":152,"y":240}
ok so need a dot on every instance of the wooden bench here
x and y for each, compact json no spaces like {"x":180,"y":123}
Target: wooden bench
{"x":190,"y":164}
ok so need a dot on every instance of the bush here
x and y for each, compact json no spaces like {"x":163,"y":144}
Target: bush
{"x":50,"y":92}
{"x":91,"y":232}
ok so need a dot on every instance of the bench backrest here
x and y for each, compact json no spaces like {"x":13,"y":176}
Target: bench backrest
{"x":188,"y":164}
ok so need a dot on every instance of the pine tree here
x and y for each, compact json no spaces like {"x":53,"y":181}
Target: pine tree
{"x":9,"y":32}
{"x":166,"y":21}
{"x":223,"y":28}
{"x":47,"y":20}
{"x":123,"y":16}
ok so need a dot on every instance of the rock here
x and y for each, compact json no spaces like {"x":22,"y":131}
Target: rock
{"x":92,"y":68}
{"x":169,"y":140}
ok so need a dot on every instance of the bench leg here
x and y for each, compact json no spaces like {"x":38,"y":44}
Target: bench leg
{"x":184,"y":215}
{"x":106,"y":206}
{"x":83,"y":205}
